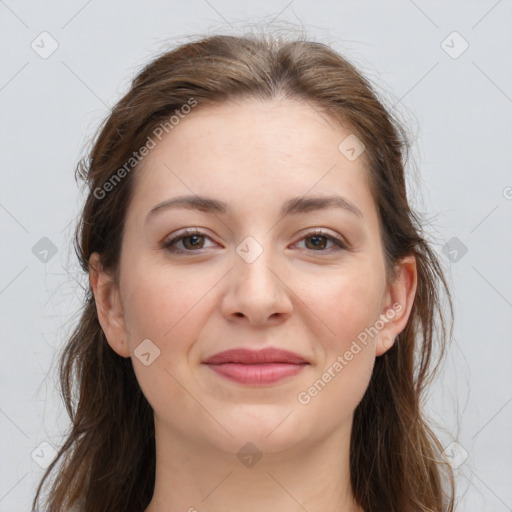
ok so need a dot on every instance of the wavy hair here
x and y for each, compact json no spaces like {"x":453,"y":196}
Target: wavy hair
{"x":107,"y":462}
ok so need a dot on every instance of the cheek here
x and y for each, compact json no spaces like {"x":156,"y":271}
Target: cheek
{"x":168,"y":311}
{"x":334,"y":394}
{"x":346,"y":309}
{"x":346,"y":304}
{"x":170,"y":307}
{"x":160,"y":303}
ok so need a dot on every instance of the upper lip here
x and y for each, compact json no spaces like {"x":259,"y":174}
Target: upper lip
{"x":248,"y":356}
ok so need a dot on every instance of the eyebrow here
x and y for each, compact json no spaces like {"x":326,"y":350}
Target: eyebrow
{"x":294,"y":206}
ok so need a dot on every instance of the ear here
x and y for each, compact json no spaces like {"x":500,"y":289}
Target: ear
{"x":108,"y":306}
{"x":397,"y":303}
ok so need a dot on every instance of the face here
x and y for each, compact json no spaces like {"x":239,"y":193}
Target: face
{"x":243,"y":273}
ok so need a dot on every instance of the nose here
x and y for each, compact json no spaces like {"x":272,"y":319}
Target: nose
{"x":255,"y":293}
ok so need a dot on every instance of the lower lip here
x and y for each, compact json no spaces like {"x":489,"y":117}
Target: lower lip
{"x":267,"y":373}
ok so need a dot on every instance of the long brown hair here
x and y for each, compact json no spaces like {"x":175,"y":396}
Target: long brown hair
{"x":107,"y":462}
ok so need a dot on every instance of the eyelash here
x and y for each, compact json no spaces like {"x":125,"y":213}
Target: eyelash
{"x":168,"y":245}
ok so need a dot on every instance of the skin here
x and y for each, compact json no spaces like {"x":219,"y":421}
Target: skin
{"x":254,"y":155}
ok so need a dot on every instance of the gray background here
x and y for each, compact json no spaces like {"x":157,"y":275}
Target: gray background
{"x":456,"y":105}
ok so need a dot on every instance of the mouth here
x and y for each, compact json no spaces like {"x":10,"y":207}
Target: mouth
{"x":253,"y":367}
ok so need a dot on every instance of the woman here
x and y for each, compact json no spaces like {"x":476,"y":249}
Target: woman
{"x":261,"y":317}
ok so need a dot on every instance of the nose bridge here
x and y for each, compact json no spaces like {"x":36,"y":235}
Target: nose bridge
{"x":255,"y":289}
{"x":253,"y":259}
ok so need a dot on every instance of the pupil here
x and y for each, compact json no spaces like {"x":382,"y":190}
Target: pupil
{"x":193,"y":240}
{"x":317,"y":241}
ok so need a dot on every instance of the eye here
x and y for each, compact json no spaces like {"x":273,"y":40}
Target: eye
{"x":191,"y":240}
{"x":319,"y":239}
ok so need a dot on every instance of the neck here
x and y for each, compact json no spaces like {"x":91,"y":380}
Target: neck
{"x":197,"y":477}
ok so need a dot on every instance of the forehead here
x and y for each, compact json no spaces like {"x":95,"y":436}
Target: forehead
{"x":252,"y":151}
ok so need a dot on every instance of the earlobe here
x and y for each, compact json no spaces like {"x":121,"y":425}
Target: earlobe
{"x":397,"y":304}
{"x":387,"y":343}
{"x":108,"y":306}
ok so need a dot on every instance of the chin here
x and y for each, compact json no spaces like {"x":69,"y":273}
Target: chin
{"x":269,"y":427}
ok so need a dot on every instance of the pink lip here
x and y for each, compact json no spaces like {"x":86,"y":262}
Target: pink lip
{"x":256,"y":367}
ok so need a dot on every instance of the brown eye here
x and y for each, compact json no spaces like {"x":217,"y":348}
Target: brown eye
{"x":318,"y":241}
{"x":193,"y":241}
{"x":189,"y":241}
